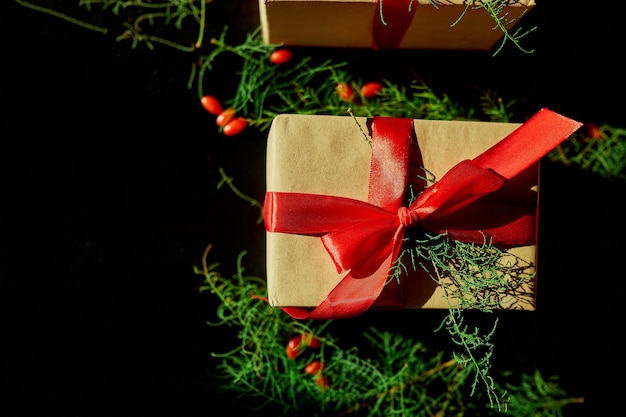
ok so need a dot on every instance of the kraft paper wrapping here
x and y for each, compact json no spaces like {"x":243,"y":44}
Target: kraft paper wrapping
{"x":330,"y":155}
{"x":348,"y":23}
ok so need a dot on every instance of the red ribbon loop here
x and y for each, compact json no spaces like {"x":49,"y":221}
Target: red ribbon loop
{"x":468,"y":203}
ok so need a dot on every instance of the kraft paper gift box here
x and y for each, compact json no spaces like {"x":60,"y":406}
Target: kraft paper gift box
{"x":329,"y":155}
{"x":446,"y":25}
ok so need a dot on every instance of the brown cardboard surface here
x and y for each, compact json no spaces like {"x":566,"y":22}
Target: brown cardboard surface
{"x":329,"y":155}
{"x":348,"y":23}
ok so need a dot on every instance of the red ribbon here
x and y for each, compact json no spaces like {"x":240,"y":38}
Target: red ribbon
{"x":474,"y":200}
{"x":391,"y":21}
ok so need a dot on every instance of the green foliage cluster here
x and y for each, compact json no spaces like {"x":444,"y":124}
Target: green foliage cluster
{"x":142,"y":22}
{"x":495,"y":9}
{"x":482,"y":277}
{"x":307,"y":86}
{"x":397,"y":375}
{"x":265,"y":89}
{"x":479,"y":277}
{"x":601,"y":150}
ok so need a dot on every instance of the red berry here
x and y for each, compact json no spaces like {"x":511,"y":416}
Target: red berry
{"x":294,"y":346}
{"x":346,"y":93}
{"x":211,"y":104}
{"x":280,"y":56}
{"x":225,"y":116}
{"x":312,"y":341}
{"x":371,"y":89}
{"x":594,"y":131}
{"x":313,"y":368}
{"x":235,"y":126}
{"x":321,"y":381}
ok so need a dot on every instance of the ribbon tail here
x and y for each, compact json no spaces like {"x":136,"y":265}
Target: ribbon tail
{"x":528,"y":143}
{"x":353,"y":296}
{"x":350,"y":297}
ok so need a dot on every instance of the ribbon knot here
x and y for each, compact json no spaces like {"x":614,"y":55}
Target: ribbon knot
{"x":408,"y":218}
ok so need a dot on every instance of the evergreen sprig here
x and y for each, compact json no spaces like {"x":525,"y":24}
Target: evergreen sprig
{"x":399,"y":375}
{"x":495,"y":9}
{"x":477,"y":277}
{"x":477,"y":352}
{"x":601,"y":149}
{"x":482,"y":277}
{"x":265,"y":90}
{"x":167,"y":22}
{"x":533,"y":395}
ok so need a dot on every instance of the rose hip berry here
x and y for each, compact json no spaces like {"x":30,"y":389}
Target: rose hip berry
{"x":225,"y":116}
{"x":594,"y":131}
{"x":313,"y":368}
{"x":235,"y":126}
{"x":281,"y":56}
{"x":211,"y":104}
{"x":346,"y":93}
{"x":321,"y":381}
{"x":312,"y":341}
{"x":294,"y":346}
{"x":371,"y":89}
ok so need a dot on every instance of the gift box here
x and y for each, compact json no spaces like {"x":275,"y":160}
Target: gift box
{"x":312,"y":158}
{"x":448,"y":25}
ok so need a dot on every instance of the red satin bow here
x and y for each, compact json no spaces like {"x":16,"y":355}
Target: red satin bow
{"x":468,"y":203}
{"x":391,"y":21}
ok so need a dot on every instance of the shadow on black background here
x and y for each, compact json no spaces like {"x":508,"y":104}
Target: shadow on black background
{"x":109,"y":175}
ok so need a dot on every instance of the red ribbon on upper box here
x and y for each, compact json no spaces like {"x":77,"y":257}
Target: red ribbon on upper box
{"x":469,"y":203}
{"x":391,"y":22}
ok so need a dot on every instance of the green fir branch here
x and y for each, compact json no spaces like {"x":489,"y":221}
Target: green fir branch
{"x":495,"y":108}
{"x":400,"y":375}
{"x":305,"y":86}
{"x":602,"y":152}
{"x":265,"y":90}
{"x":536,"y":396}
{"x":142,"y":22}
{"x":63,"y":16}
{"x":229,"y":182}
{"x":473,"y":277}
{"x":502,"y":22}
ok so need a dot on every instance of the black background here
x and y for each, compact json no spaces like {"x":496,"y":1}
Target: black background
{"x":109,"y":194}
